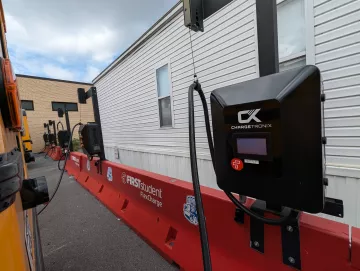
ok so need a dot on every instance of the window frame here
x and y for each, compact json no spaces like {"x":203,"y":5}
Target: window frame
{"x":309,"y":53}
{"x":77,"y":106}
{"x":32,"y":102}
{"x":301,"y":54}
{"x":158,"y":66}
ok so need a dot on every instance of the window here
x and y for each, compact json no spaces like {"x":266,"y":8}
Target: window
{"x":27,"y":105}
{"x":164,"y":96}
{"x":291,"y":34}
{"x":64,"y":106}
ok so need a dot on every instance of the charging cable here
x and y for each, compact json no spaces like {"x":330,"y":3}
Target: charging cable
{"x":196,"y":183}
{"x":62,"y":171}
{"x":57,"y":125}
{"x":60,"y":159}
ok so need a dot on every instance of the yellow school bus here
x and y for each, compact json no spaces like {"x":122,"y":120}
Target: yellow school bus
{"x":26,"y":139}
{"x":20,"y":246}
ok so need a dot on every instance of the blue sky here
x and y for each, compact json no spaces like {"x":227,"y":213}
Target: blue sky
{"x":75,"y":39}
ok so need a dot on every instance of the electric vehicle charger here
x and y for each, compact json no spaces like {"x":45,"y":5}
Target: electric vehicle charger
{"x":62,"y":171}
{"x":90,"y":139}
{"x":251,"y":162}
{"x":52,"y":136}
{"x":64,"y":138}
{"x":49,"y":141}
{"x":268,"y":139}
{"x":46,"y":134}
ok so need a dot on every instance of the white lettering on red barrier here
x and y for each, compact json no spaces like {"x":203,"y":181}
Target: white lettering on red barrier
{"x":151,"y":199}
{"x":147,"y":192}
{"x":76,"y":160}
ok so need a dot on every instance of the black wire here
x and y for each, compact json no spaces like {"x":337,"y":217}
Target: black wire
{"x":196,"y":184}
{"x":57,"y":125}
{"x":192,"y":52}
{"x":62,"y":155}
{"x":62,"y":171}
{"x":286,"y":211}
{"x":207,"y":123}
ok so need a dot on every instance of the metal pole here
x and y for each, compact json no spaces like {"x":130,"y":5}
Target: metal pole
{"x":54,"y":127}
{"x":267,"y":31}
{"x":266,"y":15}
{"x":68,"y":128}
{"x":97,"y":119}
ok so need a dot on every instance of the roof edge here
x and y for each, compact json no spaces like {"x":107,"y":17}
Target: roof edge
{"x":52,"y":79}
{"x":174,"y":11}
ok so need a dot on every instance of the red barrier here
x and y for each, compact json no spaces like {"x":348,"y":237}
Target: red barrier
{"x":355,"y":248}
{"x":158,"y":208}
{"x":56,"y":153}
{"x":73,"y":164}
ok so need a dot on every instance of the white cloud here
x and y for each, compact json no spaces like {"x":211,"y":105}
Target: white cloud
{"x":91,"y":73}
{"x":53,"y":71}
{"x":100,"y":44}
{"x":75,"y":39}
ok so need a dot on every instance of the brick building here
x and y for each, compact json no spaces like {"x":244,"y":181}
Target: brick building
{"x":41,"y":97}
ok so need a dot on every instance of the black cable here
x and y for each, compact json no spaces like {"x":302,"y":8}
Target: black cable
{"x":62,"y":171}
{"x":62,"y":155}
{"x":196,"y":183}
{"x":207,"y":124}
{"x":57,"y":125}
{"x":285,"y":214}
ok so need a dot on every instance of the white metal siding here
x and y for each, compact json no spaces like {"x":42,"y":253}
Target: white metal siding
{"x":225,"y":54}
{"x":337,"y":54}
{"x":337,"y":48}
{"x":177,"y":166}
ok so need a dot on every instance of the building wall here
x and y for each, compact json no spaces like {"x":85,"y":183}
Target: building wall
{"x":337,"y":54}
{"x":42,"y":93}
{"x":225,"y":54}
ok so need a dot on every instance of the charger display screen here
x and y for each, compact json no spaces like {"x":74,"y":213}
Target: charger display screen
{"x":252,"y":146}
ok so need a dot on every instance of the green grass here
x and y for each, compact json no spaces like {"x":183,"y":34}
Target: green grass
{"x":76,"y":144}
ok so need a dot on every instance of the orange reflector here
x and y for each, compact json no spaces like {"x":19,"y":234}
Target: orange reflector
{"x":12,"y":93}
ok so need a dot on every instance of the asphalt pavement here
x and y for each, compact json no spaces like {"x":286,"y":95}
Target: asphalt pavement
{"x":79,"y":233}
